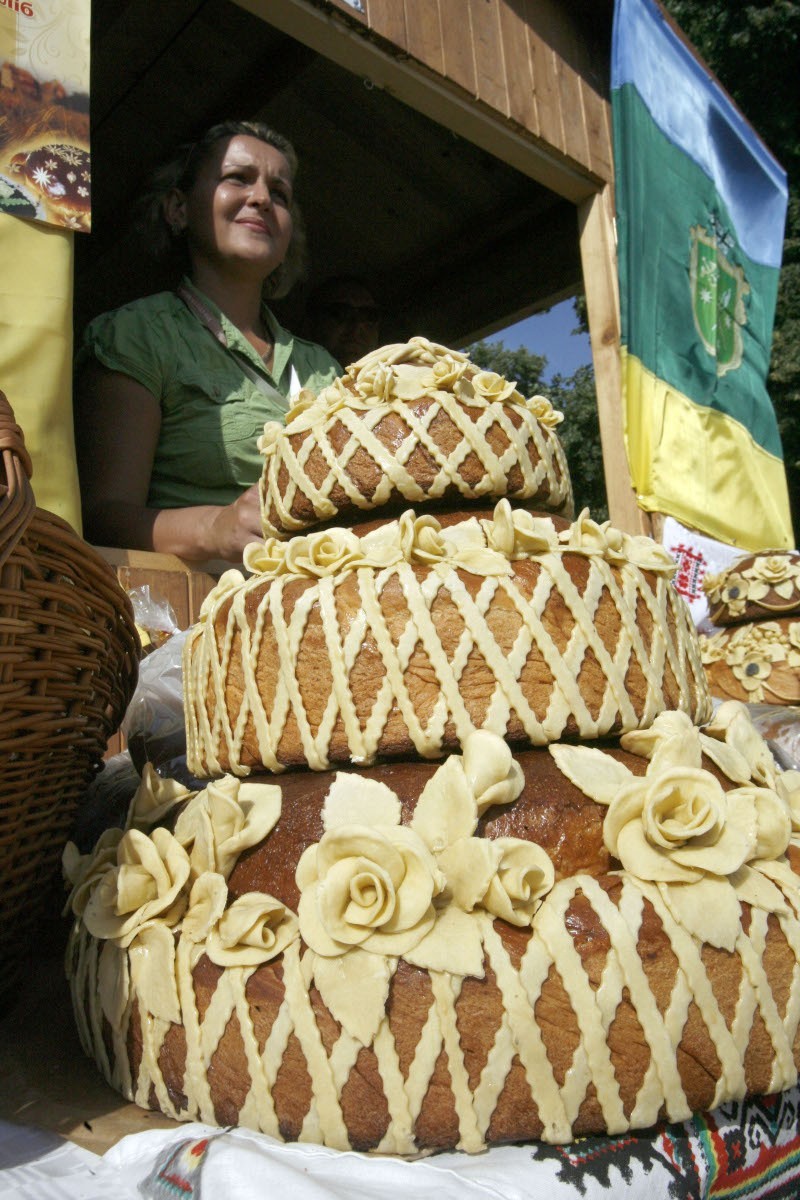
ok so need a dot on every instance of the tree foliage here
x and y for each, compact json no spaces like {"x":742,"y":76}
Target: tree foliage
{"x":574,"y":396}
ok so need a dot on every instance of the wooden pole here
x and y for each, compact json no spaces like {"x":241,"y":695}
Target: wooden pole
{"x":599,"y":259}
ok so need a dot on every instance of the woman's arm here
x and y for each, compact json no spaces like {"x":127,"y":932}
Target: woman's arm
{"x":117,"y":428}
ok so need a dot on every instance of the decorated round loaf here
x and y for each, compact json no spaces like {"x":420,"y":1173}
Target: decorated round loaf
{"x":342,"y":648}
{"x":755,"y":587}
{"x":419,"y":956}
{"x":412,"y":423}
{"x":758,"y":661}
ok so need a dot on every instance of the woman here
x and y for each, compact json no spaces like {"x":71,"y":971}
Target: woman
{"x":173,"y":390}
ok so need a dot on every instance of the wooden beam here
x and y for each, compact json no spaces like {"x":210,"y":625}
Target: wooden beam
{"x":436,"y":97}
{"x":599,"y":257}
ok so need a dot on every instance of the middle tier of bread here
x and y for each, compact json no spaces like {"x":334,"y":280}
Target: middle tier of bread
{"x":346,"y":649}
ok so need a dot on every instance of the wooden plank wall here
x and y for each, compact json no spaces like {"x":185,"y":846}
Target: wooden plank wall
{"x":532,"y":61}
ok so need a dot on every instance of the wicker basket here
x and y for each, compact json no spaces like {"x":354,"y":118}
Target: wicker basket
{"x":68,"y":663}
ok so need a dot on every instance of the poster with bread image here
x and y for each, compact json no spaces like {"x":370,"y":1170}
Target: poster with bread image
{"x":45,"y":163}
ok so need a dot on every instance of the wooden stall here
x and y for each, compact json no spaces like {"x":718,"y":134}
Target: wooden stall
{"x":455,"y":152}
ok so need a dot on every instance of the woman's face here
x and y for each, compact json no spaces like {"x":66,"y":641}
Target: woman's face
{"x":237,"y":212}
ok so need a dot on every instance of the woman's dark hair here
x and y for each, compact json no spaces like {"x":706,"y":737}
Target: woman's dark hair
{"x":181,"y":172}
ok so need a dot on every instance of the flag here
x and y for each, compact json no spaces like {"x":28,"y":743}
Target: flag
{"x":701,"y":207}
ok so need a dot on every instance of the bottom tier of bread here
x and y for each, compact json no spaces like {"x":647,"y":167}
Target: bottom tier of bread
{"x":608,"y":1003}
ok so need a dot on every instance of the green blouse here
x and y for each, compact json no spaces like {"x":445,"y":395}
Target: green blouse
{"x":212,"y":413}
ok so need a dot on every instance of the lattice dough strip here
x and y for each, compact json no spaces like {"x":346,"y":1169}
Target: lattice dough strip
{"x":497,"y":661}
{"x":496,"y":466}
{"x":250,"y":643}
{"x":685,"y":665}
{"x":688,"y":953}
{"x":195,"y":1081}
{"x":517,"y":452}
{"x":550,"y":926}
{"x":565,"y":698}
{"x":341,"y":1061}
{"x":392,"y":471}
{"x":473,"y":441}
{"x":392,"y":468}
{"x":342,"y":657}
{"x":512,"y":1034}
{"x":751,"y":951}
{"x":662,"y":649}
{"x":607,"y":995}
{"x":325,"y":1107}
{"x":585,"y":635}
{"x":533,"y":972}
{"x":650,"y":1095}
{"x":460,"y":655}
{"x":419,"y":615}
{"x":446,"y":989}
{"x":426,"y":1053}
{"x":258,"y":1110}
{"x":400,"y":654}
{"x":498,"y":711}
{"x":392,"y":464}
{"x":399,"y":1136}
{"x":209,"y":669}
{"x":213,"y":670}
{"x":791,"y":1019}
{"x":287,"y":696}
{"x":630,"y":643}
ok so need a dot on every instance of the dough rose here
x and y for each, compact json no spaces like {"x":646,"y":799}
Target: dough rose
{"x":525,"y":875}
{"x":148,"y":881}
{"x":680,"y":825}
{"x":368,"y":887}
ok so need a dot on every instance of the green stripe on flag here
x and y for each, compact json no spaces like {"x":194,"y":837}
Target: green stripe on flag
{"x":696,"y":311}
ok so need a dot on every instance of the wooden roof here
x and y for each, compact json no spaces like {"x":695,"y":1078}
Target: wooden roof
{"x":457,"y":240}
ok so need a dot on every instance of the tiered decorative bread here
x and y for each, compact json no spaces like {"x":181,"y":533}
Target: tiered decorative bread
{"x":410,"y":423}
{"x":756,"y":655}
{"x":346,"y":649}
{"x":512,"y":943}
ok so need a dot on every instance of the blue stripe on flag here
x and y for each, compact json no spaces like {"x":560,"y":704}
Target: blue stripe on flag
{"x":692,"y":110}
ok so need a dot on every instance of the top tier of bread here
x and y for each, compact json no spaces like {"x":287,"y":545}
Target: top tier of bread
{"x":412,"y":423}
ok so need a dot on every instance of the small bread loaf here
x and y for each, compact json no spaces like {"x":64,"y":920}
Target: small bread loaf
{"x":757,"y":661}
{"x":409,"y":424}
{"x":346,"y":649}
{"x":755,"y":587}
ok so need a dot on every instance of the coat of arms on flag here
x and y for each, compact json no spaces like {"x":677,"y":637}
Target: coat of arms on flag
{"x":718,"y":291}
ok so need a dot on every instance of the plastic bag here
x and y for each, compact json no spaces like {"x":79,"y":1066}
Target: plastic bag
{"x":155,"y":618}
{"x":154,"y":723}
{"x":779,"y":725}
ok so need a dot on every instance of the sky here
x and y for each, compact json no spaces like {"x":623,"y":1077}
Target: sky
{"x":550,"y":334}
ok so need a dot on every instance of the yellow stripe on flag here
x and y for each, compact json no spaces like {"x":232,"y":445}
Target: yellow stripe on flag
{"x":700,"y":466}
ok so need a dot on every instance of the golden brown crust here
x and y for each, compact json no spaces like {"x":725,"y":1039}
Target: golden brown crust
{"x":274,"y":683}
{"x":699,"y":994}
{"x":479,"y":1013}
{"x":290,"y":497}
{"x":755,"y":587}
{"x":756,"y":661}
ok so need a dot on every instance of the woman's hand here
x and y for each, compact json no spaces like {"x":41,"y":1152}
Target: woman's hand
{"x":236,"y":525}
{"x":206,"y":532}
